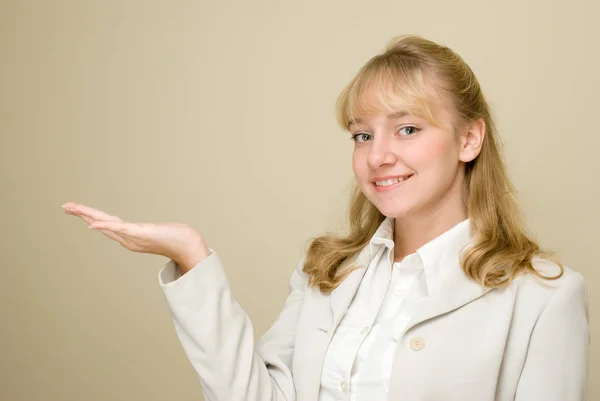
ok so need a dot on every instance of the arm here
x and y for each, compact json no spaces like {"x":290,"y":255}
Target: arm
{"x":557,"y":358}
{"x":217,"y":335}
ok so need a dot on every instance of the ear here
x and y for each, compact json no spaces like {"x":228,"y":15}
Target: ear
{"x":471,"y":140}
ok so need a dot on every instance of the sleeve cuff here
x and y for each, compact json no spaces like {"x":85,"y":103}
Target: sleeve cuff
{"x":170,"y":273}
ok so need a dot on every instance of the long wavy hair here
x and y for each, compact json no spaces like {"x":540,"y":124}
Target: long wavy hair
{"x":402,"y":77}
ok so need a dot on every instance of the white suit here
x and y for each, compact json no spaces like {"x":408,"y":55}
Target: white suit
{"x":526,"y":342}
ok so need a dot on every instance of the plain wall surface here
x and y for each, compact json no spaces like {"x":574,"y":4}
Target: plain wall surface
{"x":221,"y":115}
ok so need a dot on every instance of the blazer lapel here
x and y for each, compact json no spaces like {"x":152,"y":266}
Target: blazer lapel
{"x":456,"y":292}
{"x":343,"y":294}
{"x":327,"y":311}
{"x":448,"y":285}
{"x":318,"y":338}
{"x":454,"y":288}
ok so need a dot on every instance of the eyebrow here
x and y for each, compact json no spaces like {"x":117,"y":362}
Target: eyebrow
{"x":398,"y":114}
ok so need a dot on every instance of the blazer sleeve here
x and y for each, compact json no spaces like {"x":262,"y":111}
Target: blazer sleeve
{"x":217,"y":335}
{"x":556,"y":364}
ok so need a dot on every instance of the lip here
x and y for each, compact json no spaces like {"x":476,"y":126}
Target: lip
{"x":390,"y":187}
{"x":387,"y":177}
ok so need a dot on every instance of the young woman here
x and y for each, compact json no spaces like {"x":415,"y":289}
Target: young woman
{"x":436,"y":293}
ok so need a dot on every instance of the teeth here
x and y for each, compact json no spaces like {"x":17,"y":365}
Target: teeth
{"x":389,"y":182}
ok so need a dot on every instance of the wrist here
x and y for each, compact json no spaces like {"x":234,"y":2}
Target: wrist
{"x":194,"y":255}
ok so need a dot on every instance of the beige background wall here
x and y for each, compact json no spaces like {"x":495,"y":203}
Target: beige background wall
{"x":220,"y":115}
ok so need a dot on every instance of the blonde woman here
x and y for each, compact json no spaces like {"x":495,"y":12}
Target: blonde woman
{"x":436,"y":293}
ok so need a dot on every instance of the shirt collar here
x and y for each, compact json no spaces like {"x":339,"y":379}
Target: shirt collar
{"x":441,"y":255}
{"x":383,"y":236}
{"x":438,"y":256}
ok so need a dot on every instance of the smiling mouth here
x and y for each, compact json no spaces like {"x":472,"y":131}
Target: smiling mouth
{"x":391,"y":182}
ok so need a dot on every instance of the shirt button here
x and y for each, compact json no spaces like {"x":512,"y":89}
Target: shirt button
{"x":344,"y":386}
{"x":364,"y":331}
{"x":417,"y":343}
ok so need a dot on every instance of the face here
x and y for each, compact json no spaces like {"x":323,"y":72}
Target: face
{"x":406,"y":166}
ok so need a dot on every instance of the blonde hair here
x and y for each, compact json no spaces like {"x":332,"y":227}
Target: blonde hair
{"x":398,"y":78}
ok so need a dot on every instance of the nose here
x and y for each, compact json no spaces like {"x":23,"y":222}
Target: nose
{"x":380,"y":152}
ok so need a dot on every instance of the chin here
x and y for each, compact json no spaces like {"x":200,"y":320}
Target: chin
{"x":395,"y":211}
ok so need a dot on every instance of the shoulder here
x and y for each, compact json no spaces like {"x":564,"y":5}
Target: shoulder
{"x":552,"y":279}
{"x":567,"y":291}
{"x":299,"y":279}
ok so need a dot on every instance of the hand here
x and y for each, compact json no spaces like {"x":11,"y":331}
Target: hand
{"x":176,"y":241}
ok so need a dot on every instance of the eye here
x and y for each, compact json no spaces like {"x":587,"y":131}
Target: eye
{"x":409,"y":130}
{"x":358,"y":136}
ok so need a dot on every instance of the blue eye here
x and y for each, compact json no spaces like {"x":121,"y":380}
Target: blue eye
{"x":356,"y":136}
{"x":408,"y":131}
{"x":413,"y":129}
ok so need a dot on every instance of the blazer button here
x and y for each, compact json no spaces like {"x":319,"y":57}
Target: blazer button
{"x":417,"y":343}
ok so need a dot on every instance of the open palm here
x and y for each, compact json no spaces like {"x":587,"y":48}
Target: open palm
{"x":177,"y":241}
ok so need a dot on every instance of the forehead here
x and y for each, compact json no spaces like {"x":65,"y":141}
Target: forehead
{"x":395,"y":95}
{"x":390,"y":116}
{"x":431,"y":107}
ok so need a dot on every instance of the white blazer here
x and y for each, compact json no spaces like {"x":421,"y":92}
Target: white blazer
{"x":526,"y":342}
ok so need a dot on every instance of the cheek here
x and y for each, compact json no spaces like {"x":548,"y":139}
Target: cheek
{"x":358,"y":165}
{"x":434,"y":155}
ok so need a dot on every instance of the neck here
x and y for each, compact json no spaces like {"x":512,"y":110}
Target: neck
{"x":412,"y":232}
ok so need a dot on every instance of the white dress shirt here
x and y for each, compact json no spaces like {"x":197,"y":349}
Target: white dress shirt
{"x":358,"y":362}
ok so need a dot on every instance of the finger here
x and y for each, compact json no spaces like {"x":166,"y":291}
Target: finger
{"x":109,"y":234}
{"x":96,"y":214}
{"x":114,"y":236}
{"x":124,"y":233}
{"x":119,"y":227}
{"x":88,"y":220}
